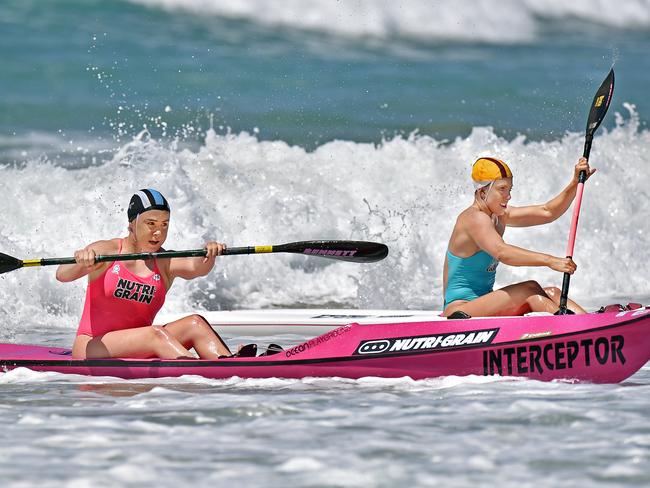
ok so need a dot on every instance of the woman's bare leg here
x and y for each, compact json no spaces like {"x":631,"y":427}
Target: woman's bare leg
{"x":516,"y":299}
{"x":554,"y":293}
{"x":140,"y":342}
{"x":195,"y":332}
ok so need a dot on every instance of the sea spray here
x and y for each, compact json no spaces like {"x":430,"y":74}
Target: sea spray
{"x":405,"y":192}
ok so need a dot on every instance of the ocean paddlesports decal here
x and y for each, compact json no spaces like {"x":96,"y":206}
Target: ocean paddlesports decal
{"x":426,"y":343}
{"x":306,"y":346}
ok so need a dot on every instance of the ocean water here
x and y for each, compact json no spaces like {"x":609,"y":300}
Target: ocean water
{"x":271,"y":122}
{"x":322,"y":432}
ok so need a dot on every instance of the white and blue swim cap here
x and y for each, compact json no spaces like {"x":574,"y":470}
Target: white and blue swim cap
{"x":144,"y":200}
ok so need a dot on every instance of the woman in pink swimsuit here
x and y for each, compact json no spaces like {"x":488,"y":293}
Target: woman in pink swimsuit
{"x":123,"y":297}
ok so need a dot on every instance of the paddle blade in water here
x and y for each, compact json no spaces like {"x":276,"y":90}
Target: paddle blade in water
{"x":9,"y":263}
{"x":601,"y":103}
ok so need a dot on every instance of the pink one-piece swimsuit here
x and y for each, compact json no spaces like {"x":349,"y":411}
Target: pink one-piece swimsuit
{"x":119,"y":299}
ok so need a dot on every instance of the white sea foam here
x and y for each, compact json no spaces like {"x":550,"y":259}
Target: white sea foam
{"x":405,"y":192}
{"x":24,"y":375}
{"x":466,"y":20}
{"x":298,"y":464}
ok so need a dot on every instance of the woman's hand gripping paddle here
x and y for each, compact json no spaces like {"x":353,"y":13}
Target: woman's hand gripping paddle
{"x":352,"y":251}
{"x":596,"y":115}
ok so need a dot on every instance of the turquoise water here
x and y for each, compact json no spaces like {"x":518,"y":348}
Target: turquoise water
{"x":101,"y":70}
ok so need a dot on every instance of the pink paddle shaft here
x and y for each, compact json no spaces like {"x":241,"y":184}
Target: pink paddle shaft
{"x":574,"y":220}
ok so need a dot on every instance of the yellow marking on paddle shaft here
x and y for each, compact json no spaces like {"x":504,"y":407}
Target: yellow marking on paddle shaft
{"x":31,"y":262}
{"x":261,"y":249}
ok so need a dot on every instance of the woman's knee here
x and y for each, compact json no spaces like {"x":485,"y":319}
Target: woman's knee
{"x":534,"y":294}
{"x":533,"y":288}
{"x":553,"y":292}
{"x":197,"y":326}
{"x":197,"y":321}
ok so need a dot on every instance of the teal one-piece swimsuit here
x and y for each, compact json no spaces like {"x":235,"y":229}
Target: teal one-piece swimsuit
{"x":469,"y":278}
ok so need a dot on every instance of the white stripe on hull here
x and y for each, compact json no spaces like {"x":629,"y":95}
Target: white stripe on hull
{"x":300,"y":321}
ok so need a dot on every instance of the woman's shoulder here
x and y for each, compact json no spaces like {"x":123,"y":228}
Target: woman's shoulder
{"x":472,"y":215}
{"x":104,"y":247}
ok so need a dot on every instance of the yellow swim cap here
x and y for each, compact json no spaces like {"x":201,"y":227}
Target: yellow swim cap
{"x":486,"y":170}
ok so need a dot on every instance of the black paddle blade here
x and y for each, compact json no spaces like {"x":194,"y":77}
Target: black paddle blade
{"x":353,"y":251}
{"x":9,"y":263}
{"x":601,"y":103}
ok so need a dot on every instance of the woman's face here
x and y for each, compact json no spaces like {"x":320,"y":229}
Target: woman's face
{"x":150,"y":229}
{"x":497,"y":196}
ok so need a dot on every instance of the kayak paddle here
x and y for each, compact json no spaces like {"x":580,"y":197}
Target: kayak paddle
{"x":353,"y":251}
{"x":596,"y":115}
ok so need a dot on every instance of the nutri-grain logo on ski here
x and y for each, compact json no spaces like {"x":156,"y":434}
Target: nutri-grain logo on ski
{"x":130,"y":290}
{"x":426,"y":343}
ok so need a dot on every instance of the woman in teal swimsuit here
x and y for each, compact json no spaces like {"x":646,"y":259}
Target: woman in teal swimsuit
{"x":476,"y":247}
